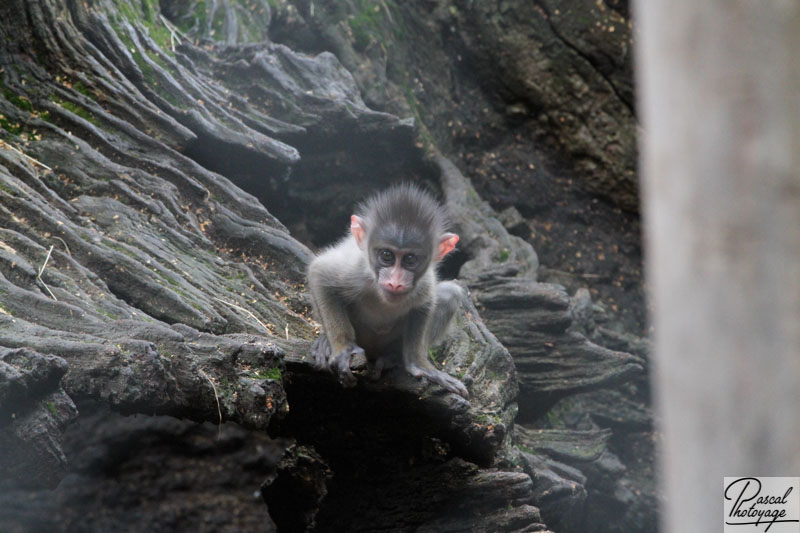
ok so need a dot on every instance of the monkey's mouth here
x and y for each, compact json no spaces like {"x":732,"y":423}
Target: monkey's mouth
{"x":393,"y":296}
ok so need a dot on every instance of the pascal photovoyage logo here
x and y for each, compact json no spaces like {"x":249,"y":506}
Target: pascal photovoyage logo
{"x":762,"y":504}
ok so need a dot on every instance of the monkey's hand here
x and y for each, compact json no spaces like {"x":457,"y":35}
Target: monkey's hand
{"x":321,"y":350}
{"x":443,"y":379}
{"x":340,"y":364}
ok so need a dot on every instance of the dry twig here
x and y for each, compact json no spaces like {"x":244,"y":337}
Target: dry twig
{"x":240,"y":308}
{"x":65,"y":245}
{"x":23,"y":154}
{"x":216,"y":397}
{"x":39,"y":275}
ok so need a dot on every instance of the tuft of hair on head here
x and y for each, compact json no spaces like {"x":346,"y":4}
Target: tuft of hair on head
{"x":407,"y":205}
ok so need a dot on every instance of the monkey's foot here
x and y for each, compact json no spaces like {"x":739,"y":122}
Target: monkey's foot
{"x":443,"y":379}
{"x":340,"y":364}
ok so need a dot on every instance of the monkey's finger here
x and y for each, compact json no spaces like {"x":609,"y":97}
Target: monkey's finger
{"x":341,"y":369}
{"x":346,"y":378}
{"x":356,"y":351}
{"x":450,"y":383}
{"x":321,"y":350}
{"x":443,"y":379}
{"x":340,"y":365}
{"x":457,"y":387}
{"x":416,"y":371}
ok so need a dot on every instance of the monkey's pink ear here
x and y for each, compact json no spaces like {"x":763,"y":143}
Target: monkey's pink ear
{"x":446,"y":244}
{"x":357,"y":228}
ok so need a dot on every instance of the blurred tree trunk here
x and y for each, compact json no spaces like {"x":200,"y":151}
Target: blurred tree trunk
{"x":720,"y":100}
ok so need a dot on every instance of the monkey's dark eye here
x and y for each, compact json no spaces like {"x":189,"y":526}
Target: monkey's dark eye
{"x":410,"y":261}
{"x":385,"y":257}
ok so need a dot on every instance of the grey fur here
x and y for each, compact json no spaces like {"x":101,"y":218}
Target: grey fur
{"x":407,"y":206}
{"x":355,"y":313}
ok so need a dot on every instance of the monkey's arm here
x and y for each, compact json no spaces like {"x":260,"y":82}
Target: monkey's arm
{"x":334,"y":349}
{"x":415,"y":347}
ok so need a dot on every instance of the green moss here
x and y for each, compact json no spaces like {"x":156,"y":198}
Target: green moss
{"x":160,"y":34}
{"x":107,"y":314}
{"x":19,"y":101}
{"x":132,"y":48}
{"x":235,"y":276}
{"x":148,"y":72}
{"x":127,"y":10}
{"x":432,"y":355}
{"x":252,"y":27}
{"x":595,"y":450}
{"x":273,"y":374}
{"x":165,"y":352}
{"x":13,"y":128}
{"x":516,"y":461}
{"x":361,"y":28}
{"x":526,"y":449}
{"x":78,"y":110}
{"x":51,"y":407}
{"x":218,"y":24}
{"x":503,"y":255}
{"x":198,"y":21}
{"x":81,"y":88}
{"x":149,"y":11}
{"x":162,"y":37}
{"x":8,"y":190}
{"x":226,"y":391}
{"x":366,"y":24}
{"x":487,"y":419}
{"x":555,"y":416}
{"x":121,"y":249}
{"x":371,"y":23}
{"x":159,"y":60}
{"x":422,"y":132}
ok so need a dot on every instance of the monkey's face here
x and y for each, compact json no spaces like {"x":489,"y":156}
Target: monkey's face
{"x":399,"y":255}
{"x":397,"y":270}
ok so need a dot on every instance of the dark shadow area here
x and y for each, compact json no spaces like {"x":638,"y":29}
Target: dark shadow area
{"x":452,"y":263}
{"x":250,"y":170}
{"x":337,"y":169}
{"x":388,"y":455}
{"x":148,"y":473}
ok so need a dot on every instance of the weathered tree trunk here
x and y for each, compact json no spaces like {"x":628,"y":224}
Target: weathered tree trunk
{"x":719,"y":84}
{"x":139,"y":274}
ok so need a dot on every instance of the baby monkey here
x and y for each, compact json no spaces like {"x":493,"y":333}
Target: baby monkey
{"x":376,"y":291}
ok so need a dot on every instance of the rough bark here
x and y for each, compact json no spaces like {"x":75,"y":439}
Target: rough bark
{"x":131,"y":253}
{"x":162,"y":286}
